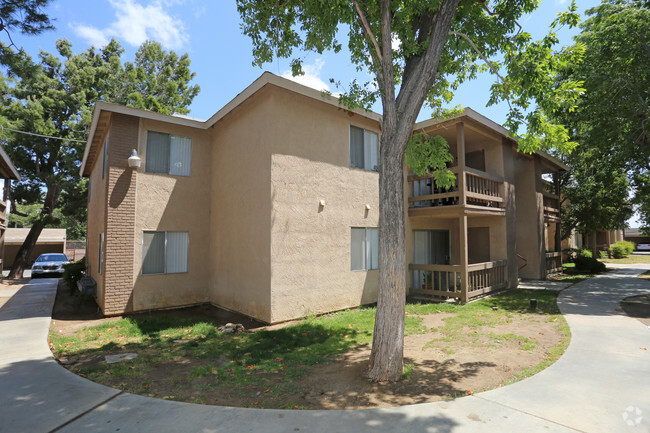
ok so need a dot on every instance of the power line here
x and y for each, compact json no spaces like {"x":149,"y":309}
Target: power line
{"x":41,"y":135}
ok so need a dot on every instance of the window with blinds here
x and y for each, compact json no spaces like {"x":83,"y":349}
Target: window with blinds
{"x":169,"y":154}
{"x":364,"y":149}
{"x":164,"y":252}
{"x":364,"y":249}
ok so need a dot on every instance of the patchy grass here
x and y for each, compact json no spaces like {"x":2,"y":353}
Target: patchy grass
{"x":645,"y":275}
{"x":236,"y":359}
{"x":629,"y":260}
{"x":187,"y":359}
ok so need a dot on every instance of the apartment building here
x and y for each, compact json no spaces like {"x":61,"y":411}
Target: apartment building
{"x":270,"y":207}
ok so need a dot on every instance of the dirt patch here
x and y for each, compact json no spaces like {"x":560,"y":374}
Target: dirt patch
{"x":442,"y":367}
{"x":638,"y":307}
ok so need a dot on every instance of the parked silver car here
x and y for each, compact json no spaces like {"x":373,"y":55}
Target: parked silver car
{"x":49,"y":264}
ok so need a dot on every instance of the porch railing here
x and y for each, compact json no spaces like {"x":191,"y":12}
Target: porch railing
{"x":445,"y":280}
{"x":481,"y":189}
{"x":553,"y":262}
{"x":486,"y":277}
{"x":436,"y":280}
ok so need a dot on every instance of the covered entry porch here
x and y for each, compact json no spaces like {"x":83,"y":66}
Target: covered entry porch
{"x":458,"y":257}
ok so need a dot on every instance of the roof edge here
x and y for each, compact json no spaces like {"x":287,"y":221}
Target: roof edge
{"x":10,"y":164}
{"x":485,"y":121}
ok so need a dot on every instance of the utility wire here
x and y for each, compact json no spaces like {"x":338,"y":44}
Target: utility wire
{"x":41,"y":135}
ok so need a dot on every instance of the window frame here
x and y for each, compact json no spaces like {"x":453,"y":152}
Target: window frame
{"x":100,"y":259}
{"x":105,"y":159}
{"x":164,"y":272}
{"x":170,"y":151}
{"x":367,"y":253}
{"x":363,"y":149}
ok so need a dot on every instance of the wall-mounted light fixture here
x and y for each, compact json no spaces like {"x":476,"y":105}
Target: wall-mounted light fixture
{"x":367,"y":207}
{"x":321,"y":203}
{"x":134,"y":159}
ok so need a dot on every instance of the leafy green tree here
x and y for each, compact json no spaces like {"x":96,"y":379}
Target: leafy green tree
{"x":26,"y":16}
{"x":159,"y":80}
{"x":54,"y":97}
{"x":595,"y":194}
{"x":441,"y":44}
{"x":611,"y":119}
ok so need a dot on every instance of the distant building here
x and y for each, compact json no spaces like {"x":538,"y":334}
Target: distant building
{"x":635,"y":235}
{"x":50,"y":241}
{"x":7,"y":173}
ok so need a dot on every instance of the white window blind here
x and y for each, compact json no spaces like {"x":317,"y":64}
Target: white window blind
{"x":164,"y":252}
{"x":170,"y":154}
{"x":101,"y":253}
{"x":176,"y":249}
{"x":364,"y":248}
{"x":105,"y":166}
{"x":364,"y":149}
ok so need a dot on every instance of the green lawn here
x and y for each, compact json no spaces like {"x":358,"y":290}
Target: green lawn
{"x":629,"y":260}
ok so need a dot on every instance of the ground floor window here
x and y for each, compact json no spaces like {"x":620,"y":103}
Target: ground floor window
{"x":164,"y":252}
{"x":101,"y":254}
{"x":364,"y":248}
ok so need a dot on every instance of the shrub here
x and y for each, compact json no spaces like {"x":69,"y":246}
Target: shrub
{"x":72,"y":273}
{"x":584,"y":253}
{"x":589,"y":264}
{"x":621,"y":249}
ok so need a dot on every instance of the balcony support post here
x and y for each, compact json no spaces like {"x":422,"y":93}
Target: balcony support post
{"x":460,"y":150}
{"x":464,"y":273}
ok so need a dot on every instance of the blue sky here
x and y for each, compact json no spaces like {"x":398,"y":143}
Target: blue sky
{"x":221,"y":56}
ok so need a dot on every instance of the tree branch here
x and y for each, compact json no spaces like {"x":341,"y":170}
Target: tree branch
{"x":365,"y":26}
{"x":489,"y":12}
{"x":492,"y":68}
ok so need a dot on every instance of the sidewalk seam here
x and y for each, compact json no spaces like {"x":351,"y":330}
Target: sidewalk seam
{"x":65,"y":424}
{"x":528,"y":413}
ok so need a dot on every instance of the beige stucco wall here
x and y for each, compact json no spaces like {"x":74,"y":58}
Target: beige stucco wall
{"x":310,"y":244}
{"x":174,"y":203}
{"x":530,"y":232}
{"x":96,"y":224}
{"x":240,"y":239}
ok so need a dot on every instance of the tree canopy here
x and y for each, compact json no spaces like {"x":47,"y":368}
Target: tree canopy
{"x":418,"y":52}
{"x":26,"y":16}
{"x":610,"y":169}
{"x":54,"y":97}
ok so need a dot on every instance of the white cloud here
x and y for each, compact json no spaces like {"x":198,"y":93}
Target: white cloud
{"x":136,"y":23}
{"x":94,"y":36}
{"x":312,"y":76}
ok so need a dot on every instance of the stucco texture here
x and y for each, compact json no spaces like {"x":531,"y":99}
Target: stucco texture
{"x":174,"y":203}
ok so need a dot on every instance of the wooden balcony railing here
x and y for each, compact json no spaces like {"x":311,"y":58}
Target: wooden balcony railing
{"x":445,"y":280}
{"x":553,"y":262}
{"x":436,"y":280}
{"x":486,"y":277}
{"x":481,"y":189}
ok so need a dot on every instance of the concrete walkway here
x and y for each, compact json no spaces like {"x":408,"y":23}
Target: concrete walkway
{"x":601,"y":384}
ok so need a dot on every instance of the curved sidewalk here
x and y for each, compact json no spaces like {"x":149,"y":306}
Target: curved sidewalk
{"x":602,"y":381}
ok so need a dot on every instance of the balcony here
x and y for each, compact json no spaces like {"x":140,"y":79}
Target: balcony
{"x":475,"y":191}
{"x":446,"y":281}
{"x":553,"y":262}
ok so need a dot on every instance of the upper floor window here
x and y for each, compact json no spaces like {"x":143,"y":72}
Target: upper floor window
{"x":105,"y":165}
{"x":169,"y":154}
{"x":364,"y":149}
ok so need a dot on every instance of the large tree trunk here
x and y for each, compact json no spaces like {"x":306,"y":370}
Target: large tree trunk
{"x":24,"y":253}
{"x":386,"y":358}
{"x":399,"y":116}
